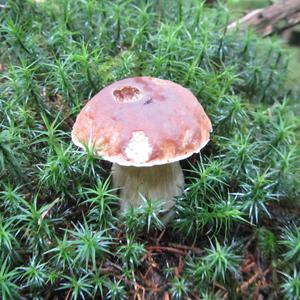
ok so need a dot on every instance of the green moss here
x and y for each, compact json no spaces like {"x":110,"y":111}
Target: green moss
{"x":61,"y":233}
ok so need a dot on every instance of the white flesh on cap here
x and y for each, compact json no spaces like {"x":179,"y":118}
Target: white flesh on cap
{"x":159,"y":183}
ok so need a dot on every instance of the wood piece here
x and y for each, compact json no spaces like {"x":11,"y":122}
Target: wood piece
{"x":274,"y":18}
{"x":166,"y":249}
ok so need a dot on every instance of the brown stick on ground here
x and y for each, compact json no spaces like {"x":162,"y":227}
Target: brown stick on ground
{"x":274,"y":18}
{"x":166,"y":249}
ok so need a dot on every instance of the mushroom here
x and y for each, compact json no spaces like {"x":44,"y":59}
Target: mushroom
{"x":144,"y":126}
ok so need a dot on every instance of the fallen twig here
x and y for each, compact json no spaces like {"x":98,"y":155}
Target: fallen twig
{"x":166,"y":249}
{"x":247,"y":283}
{"x":188,"y":248}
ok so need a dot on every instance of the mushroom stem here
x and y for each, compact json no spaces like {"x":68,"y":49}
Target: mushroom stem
{"x":160,"y":182}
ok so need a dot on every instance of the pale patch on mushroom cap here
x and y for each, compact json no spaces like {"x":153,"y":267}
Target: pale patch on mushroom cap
{"x":138,"y":149}
{"x":143,"y":121}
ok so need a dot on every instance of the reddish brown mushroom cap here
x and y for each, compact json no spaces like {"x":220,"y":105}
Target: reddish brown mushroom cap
{"x":143,"y":121}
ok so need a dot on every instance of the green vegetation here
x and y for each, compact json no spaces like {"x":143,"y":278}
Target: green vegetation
{"x":236,"y":230}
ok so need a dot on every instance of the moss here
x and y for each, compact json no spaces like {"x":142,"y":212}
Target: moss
{"x":61,"y":233}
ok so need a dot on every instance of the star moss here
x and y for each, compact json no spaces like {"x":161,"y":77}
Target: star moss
{"x":61,"y":233}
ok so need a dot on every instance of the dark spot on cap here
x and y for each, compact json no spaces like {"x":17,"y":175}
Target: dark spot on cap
{"x":127,"y":94}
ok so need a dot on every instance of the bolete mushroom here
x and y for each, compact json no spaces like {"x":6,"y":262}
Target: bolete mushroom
{"x":144,"y":126}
